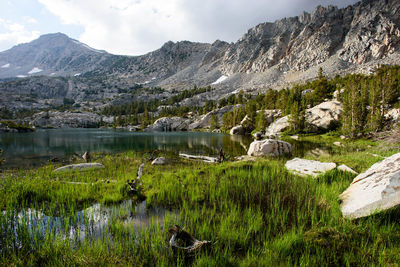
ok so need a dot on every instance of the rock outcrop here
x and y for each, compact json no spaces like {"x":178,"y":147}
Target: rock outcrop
{"x":204,"y":121}
{"x":271,"y":115}
{"x":167,"y":124}
{"x":374,"y":190}
{"x":278,"y":126}
{"x":269,"y":147}
{"x":305,"y":167}
{"x":324,"y":116}
{"x":321,"y":117}
{"x":56,"y":119}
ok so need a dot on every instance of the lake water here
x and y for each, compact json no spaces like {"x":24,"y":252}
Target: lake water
{"x":36,"y":148}
{"x":87,"y":224}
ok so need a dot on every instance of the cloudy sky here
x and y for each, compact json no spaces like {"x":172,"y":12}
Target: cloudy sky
{"x":135,"y":27}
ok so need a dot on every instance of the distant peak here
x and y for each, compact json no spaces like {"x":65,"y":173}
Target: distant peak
{"x":54,"y":35}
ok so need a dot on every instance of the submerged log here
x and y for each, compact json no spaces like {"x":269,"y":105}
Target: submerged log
{"x":182,"y":240}
{"x":198,"y":157}
{"x":80,"y":167}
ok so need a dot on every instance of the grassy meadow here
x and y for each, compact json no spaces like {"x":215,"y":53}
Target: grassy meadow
{"x":255,"y":213}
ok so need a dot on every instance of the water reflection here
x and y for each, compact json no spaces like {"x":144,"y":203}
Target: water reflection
{"x":27,"y":149}
{"x":90,"y":223}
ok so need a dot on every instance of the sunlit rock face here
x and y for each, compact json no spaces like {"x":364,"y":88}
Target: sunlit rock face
{"x":375,"y":190}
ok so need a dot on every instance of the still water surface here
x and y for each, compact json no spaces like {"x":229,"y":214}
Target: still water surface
{"x":32,"y":149}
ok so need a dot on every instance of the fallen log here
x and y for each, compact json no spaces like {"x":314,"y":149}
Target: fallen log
{"x":183,"y":241}
{"x":199,"y":157}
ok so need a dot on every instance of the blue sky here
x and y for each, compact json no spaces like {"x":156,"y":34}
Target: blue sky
{"x":24,"y":20}
{"x":135,"y":27}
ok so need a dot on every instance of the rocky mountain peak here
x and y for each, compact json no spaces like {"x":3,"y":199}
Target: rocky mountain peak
{"x":270,"y":55}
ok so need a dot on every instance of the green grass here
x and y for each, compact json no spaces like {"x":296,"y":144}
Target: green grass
{"x":255,"y":214}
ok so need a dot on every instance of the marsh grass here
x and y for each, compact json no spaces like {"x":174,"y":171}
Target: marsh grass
{"x":255,"y":214}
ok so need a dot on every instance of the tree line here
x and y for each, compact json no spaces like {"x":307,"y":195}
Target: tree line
{"x":365,"y":98}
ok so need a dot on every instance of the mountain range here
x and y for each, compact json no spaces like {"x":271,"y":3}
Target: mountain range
{"x":354,"y":39}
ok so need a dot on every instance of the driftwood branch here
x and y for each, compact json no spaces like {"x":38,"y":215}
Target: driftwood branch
{"x":135,"y":183}
{"x":198,"y":157}
{"x":182,"y":240}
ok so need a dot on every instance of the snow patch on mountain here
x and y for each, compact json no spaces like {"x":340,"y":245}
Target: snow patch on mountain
{"x":220,"y":79}
{"x":35,"y":70}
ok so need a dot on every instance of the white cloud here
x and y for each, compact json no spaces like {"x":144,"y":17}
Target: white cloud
{"x":122,"y":27}
{"x":30,"y":20}
{"x":14,"y":33}
{"x":139,"y":26}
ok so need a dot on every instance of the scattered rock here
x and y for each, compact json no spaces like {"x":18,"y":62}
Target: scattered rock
{"x":239,"y":130}
{"x":200,"y":157}
{"x":269,"y":147}
{"x":337,"y":144}
{"x":304,"y":167}
{"x":245,"y":158}
{"x":345,"y":168}
{"x":336,"y":93}
{"x":318,"y":152}
{"x":258,"y":135}
{"x":80,"y":167}
{"x":306,"y":92}
{"x":159,"y":161}
{"x":393,"y":114}
{"x":375,"y":190}
{"x":295,"y":137}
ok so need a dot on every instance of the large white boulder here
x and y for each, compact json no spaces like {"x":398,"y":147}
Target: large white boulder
{"x":376,"y":189}
{"x":269,"y":147}
{"x":278,"y":126}
{"x":324,"y":115}
{"x":304,"y":167}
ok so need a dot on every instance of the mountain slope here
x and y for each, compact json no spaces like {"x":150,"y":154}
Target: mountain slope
{"x":51,"y":54}
{"x":269,"y":55}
